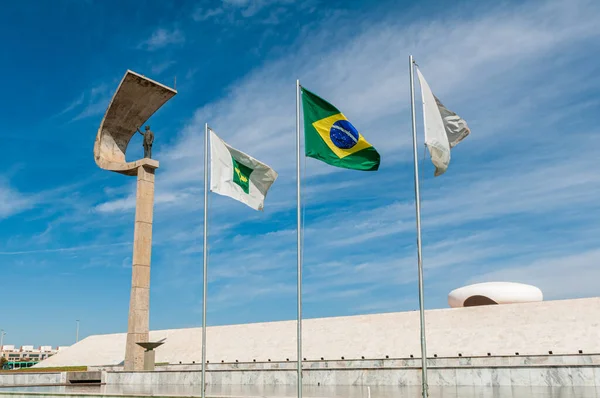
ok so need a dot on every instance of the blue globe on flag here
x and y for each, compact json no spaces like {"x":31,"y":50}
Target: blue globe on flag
{"x":343,"y":134}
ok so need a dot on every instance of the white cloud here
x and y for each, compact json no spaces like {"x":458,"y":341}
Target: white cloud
{"x":161,"y":38}
{"x":123,"y":204}
{"x":247,"y":7}
{"x":239,"y":3}
{"x":128,"y":203}
{"x":203,"y":14}
{"x":567,"y":276}
{"x":490,"y":75}
{"x":250,"y":8}
{"x":76,"y":103}
{"x":543,"y":186}
{"x":12,"y":201}
{"x":94,"y":108}
{"x":91,"y":103}
{"x":526,"y":171}
{"x":64,"y":249}
{"x":366,"y":77}
{"x":160,"y":67}
{"x":363,"y":78}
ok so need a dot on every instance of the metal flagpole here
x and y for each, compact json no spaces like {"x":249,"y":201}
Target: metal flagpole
{"x":205,"y":254}
{"x":419,"y":248}
{"x":299,"y":241}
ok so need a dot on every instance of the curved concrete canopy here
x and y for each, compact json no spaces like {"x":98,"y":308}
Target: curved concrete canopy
{"x":136,"y":99}
{"x":493,"y":293}
{"x":563,"y":326}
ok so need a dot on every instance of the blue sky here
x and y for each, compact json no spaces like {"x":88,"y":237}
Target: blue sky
{"x":518,"y":203}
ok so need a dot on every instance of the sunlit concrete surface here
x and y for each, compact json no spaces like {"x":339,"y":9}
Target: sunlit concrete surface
{"x":134,"y":102}
{"x":562,"y":326}
{"x":309,"y":392}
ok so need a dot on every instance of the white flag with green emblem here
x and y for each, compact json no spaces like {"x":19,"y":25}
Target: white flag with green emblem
{"x":238,"y":175}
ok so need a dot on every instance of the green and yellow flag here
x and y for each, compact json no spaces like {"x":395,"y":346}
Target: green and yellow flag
{"x":331,"y":138}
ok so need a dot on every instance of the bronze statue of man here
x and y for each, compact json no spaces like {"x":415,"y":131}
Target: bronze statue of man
{"x":148,"y":140}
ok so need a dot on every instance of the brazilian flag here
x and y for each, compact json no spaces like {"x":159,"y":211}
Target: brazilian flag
{"x":331,"y":138}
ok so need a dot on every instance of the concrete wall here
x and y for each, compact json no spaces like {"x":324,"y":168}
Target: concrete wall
{"x":563,"y":327}
{"x":491,"y":361}
{"x":541,"y":371}
{"x":563,"y":376}
{"x":27,"y":379}
{"x":14,"y":378}
{"x":544,"y":370}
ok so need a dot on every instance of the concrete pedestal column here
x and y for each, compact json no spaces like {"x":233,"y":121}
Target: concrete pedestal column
{"x":149,"y":359}
{"x":139,"y":304}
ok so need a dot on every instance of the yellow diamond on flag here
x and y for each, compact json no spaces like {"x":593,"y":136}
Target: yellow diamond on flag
{"x":345,"y":147}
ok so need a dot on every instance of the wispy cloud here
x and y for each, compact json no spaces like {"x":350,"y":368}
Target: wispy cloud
{"x":64,"y":249}
{"x":93,"y":102}
{"x":565,"y":276}
{"x":518,"y":194}
{"x":203,"y":14}
{"x":159,"y":68}
{"x":161,"y":38}
{"x":72,"y":105}
{"x":268,"y":12}
{"x":498,"y":176}
{"x":262,"y":124}
{"x":128,"y":202}
{"x":249,"y":8}
{"x":94,"y":108}
{"x":122,"y":204}
{"x":12,"y":201}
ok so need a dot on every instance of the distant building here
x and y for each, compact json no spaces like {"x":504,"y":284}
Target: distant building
{"x":28,"y":353}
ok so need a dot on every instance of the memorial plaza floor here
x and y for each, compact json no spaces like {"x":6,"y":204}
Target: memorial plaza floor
{"x":309,"y":392}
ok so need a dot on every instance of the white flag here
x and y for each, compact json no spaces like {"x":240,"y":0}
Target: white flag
{"x":443,"y":128}
{"x":237,"y":175}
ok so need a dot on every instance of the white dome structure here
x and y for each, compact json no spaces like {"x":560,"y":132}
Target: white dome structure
{"x":494,"y":293}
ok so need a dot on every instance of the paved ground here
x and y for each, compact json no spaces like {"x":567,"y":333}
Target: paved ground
{"x":309,"y":392}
